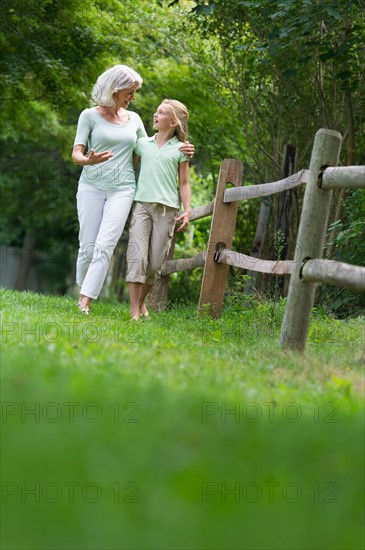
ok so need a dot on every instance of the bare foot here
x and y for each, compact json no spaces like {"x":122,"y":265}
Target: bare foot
{"x":143,"y":311}
{"x":84,"y":303}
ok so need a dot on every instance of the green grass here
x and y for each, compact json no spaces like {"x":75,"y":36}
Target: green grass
{"x":119,"y":435}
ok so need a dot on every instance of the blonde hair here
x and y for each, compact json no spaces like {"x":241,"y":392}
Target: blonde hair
{"x":114,"y":79}
{"x":180,"y":115}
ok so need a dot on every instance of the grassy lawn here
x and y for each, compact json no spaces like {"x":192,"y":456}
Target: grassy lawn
{"x":180,"y":432}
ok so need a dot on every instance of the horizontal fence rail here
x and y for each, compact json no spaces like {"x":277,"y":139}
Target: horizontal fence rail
{"x":235,"y":259}
{"x":334,"y":273}
{"x":202,"y":211}
{"x":265,"y":189}
{"x":173,"y":266}
{"x":337,"y":177}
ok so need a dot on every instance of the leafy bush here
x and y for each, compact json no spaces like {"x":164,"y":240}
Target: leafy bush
{"x":350,"y":248}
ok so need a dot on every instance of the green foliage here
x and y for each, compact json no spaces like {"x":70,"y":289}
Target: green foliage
{"x":38,"y":191}
{"x":279,"y":243}
{"x":236,"y":297}
{"x":350,"y":233}
{"x":349,"y":236}
{"x":44,"y":44}
{"x":299,"y":58}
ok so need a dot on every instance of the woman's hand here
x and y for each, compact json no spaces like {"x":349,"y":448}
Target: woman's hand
{"x":188,"y":149}
{"x":96,"y":158}
{"x":91,"y":158}
{"x":184,"y":218}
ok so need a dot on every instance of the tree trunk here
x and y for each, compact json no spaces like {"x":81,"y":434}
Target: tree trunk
{"x":350,"y":161}
{"x":350,"y":145}
{"x":259,"y":239}
{"x":284,"y":210}
{"x":25,"y":261}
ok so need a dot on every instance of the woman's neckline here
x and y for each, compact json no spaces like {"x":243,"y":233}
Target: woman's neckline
{"x":114,"y":123}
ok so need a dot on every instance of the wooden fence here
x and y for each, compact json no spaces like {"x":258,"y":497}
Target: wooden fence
{"x":307,"y":268}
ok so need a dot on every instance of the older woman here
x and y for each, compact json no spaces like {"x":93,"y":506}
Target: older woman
{"x":107,"y":183}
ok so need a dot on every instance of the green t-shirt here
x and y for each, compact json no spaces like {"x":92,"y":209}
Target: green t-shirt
{"x":95,"y":132}
{"x":157,"y":181}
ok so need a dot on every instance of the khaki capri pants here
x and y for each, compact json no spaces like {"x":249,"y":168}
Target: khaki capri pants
{"x":150,"y":236}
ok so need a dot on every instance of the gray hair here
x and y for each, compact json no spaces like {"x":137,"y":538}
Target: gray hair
{"x":117,"y":78}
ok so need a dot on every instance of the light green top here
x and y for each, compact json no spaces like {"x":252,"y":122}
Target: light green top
{"x":95,"y":132}
{"x":157,"y":181}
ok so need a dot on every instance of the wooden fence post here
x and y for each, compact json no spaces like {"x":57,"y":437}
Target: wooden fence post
{"x":310,"y":240}
{"x":221,"y":236}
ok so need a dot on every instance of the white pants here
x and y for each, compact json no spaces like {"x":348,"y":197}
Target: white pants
{"x":102,"y":217}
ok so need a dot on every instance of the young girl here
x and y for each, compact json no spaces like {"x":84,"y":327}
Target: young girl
{"x":157,"y":201}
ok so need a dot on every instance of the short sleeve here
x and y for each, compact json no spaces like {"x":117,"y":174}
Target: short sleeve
{"x":138,"y":147}
{"x":141,"y":131}
{"x":183,"y":158}
{"x":83,"y":128}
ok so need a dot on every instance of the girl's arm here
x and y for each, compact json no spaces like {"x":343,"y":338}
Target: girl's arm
{"x":91,"y":158}
{"x":185,"y":195}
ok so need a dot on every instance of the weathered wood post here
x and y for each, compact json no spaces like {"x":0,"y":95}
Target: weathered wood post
{"x":310,"y":240}
{"x":221,"y":236}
